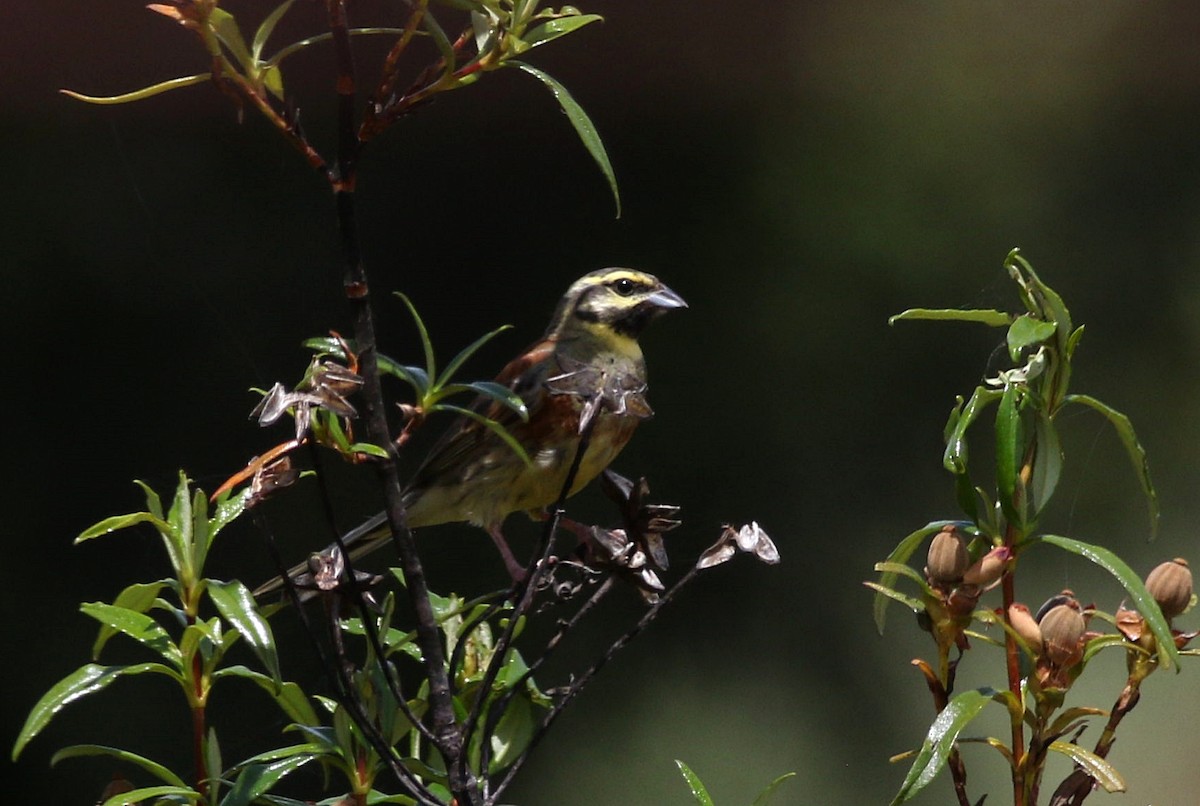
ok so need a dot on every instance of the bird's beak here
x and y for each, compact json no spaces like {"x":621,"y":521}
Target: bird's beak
{"x":665,"y":299}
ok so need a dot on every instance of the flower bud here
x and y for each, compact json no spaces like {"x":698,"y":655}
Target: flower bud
{"x":948,"y":557}
{"x":1024,"y":625}
{"x":1062,"y":628}
{"x":1171,"y":586}
{"x":988,"y":569}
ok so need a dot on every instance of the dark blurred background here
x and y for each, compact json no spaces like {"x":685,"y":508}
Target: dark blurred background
{"x":797,"y":171}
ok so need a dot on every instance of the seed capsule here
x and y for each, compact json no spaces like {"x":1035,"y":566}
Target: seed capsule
{"x":1062,"y":628}
{"x":948,"y":557}
{"x":1171,"y":586}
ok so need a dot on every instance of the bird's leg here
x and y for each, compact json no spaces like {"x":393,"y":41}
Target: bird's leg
{"x":515,"y":569}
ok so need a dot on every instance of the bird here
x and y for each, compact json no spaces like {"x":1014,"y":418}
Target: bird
{"x":587,"y":362}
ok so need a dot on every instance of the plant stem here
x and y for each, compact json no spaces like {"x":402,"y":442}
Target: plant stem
{"x":446,"y":734}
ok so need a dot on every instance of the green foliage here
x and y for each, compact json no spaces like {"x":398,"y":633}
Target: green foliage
{"x":1043,"y":655}
{"x":700,"y":792}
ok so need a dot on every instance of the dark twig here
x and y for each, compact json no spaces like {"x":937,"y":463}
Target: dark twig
{"x":578,"y":684}
{"x":447,"y":737}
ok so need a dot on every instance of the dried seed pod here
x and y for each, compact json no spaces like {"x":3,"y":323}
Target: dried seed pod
{"x":948,"y":557}
{"x":1062,"y":630}
{"x":1170,"y":584}
{"x":1023,"y":623}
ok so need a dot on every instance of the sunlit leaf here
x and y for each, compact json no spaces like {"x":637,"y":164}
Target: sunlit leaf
{"x":549,"y":31}
{"x":289,"y":697}
{"x":137,"y":625}
{"x":467,"y":352}
{"x":955,"y":457}
{"x":987,"y":317}
{"x":583,"y":126}
{"x":1143,"y":602}
{"x":151,"y":794}
{"x":911,"y":602}
{"x":139,"y":598}
{"x":83,"y":681}
{"x":426,"y":344}
{"x":1099,"y":769}
{"x":1010,"y":452}
{"x":236,"y":604}
{"x":266,"y":28}
{"x":495,"y":391}
{"x":1047,"y":463}
{"x":255,"y":779}
{"x":160,"y":772}
{"x":931,"y":758}
{"x":1137,"y":454}
{"x":699,"y":792}
{"x":226,"y":28}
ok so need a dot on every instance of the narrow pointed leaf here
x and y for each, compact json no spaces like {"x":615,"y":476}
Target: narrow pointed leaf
{"x":955,"y":457}
{"x":987,"y":317}
{"x":765,"y":796}
{"x":1101,"y":771}
{"x":1143,"y":602}
{"x":1010,"y":450}
{"x":236,"y":605}
{"x":583,"y":127}
{"x":495,"y":391}
{"x":153,"y":502}
{"x":266,"y":28}
{"x":138,"y":598}
{"x":136,"y":625}
{"x":116,"y":522}
{"x":426,"y":344}
{"x":226,"y":28}
{"x":83,"y":681}
{"x":911,"y":602}
{"x":699,"y":792}
{"x":257,"y":779}
{"x":160,"y":772}
{"x":932,"y":756}
{"x":1047,"y":463}
{"x":290,"y":698}
{"x":904,"y":549}
{"x":142,"y":94}
{"x":1137,"y":454}
{"x":228,"y":510}
{"x":494,"y":426}
{"x":152,"y":794}
{"x":553,"y":29}
{"x":466,"y":353}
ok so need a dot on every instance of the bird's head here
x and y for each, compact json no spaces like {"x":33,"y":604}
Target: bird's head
{"x":617,"y":301}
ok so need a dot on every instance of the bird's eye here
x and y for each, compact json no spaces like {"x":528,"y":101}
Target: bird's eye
{"x":624,"y":286}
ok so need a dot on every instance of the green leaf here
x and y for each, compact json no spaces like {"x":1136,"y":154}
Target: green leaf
{"x":256,"y":779}
{"x":911,"y":602}
{"x":498,"y":429}
{"x":137,"y":625}
{"x":139,"y":598}
{"x":553,"y":29}
{"x":987,"y":317}
{"x":142,"y":94}
{"x":153,"y":502}
{"x":201,"y":535}
{"x":1137,"y":454}
{"x":494,"y":391}
{"x":695,"y":784}
{"x":932,"y":756}
{"x":904,"y":549}
{"x":905,"y":570}
{"x":1143,"y":602}
{"x":768,"y":792}
{"x":83,"y":681}
{"x":152,"y":794}
{"x":116,"y":522}
{"x":226,"y":29}
{"x":1026,"y":331}
{"x":290,"y":698}
{"x":512,"y":734}
{"x":466,"y":353}
{"x":236,"y":604}
{"x":1101,"y":771}
{"x":160,"y":772}
{"x":228,"y":510}
{"x":1047,"y":462}
{"x":1010,"y":451}
{"x":266,"y":28}
{"x":426,"y":344}
{"x":955,"y":457}
{"x":583,"y":126}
